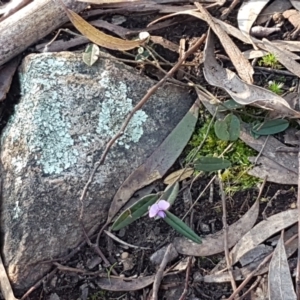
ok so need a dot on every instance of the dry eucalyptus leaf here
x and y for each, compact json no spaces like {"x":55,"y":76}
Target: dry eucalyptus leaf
{"x":121,"y":285}
{"x":280,"y":281}
{"x":283,"y":56}
{"x":214,"y":243}
{"x":240,"y":91}
{"x":242,"y":65}
{"x":179,"y":175}
{"x":275,"y":172}
{"x":296,"y":4}
{"x":248,"y":13}
{"x":293,"y":46}
{"x":262,"y":231}
{"x":251,"y":54}
{"x":277,"y":6}
{"x":98,"y":37}
{"x":242,"y":273}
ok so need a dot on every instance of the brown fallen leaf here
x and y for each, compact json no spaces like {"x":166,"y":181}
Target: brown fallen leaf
{"x":280,"y":280}
{"x":124,"y":284}
{"x":242,"y":65}
{"x":241,"y":273}
{"x":158,"y":163}
{"x":262,"y":231}
{"x":283,"y":56}
{"x":294,"y":18}
{"x":248,"y":13}
{"x":274,"y":172}
{"x":214,"y":243}
{"x":277,"y":6}
{"x":178,"y":175}
{"x":241,"y":92}
{"x":296,"y":4}
{"x":6,"y":75}
{"x":98,"y":37}
{"x":250,"y":54}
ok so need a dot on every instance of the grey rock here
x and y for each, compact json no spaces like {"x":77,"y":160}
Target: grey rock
{"x":157,"y":257}
{"x":93,"y":262}
{"x":67,"y":113}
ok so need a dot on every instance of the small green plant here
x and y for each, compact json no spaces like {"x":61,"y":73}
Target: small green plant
{"x":276,"y":87}
{"x":270,"y":61}
{"x":236,"y":176}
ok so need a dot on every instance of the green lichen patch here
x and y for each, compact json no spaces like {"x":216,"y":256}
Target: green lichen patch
{"x":236,"y":177}
{"x":43,"y":130}
{"x":113,"y":112}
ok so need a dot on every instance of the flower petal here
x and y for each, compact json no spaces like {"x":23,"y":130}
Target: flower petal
{"x":153,"y":211}
{"x":163,"y":204}
{"x":161,"y":214}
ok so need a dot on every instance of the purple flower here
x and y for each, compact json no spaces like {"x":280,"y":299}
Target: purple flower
{"x":158,"y":209}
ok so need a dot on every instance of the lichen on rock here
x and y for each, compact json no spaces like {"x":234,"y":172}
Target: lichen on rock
{"x":66,"y":115}
{"x":115,"y":110}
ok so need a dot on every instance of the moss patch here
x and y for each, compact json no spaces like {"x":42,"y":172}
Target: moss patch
{"x":236,"y":177}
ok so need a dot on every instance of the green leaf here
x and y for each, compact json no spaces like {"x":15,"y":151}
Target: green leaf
{"x":181,"y":227}
{"x":135,"y":211}
{"x":233,"y":126}
{"x":221,"y":130}
{"x":210,"y":164}
{"x":229,"y":105}
{"x":228,"y":129}
{"x":270,"y":127}
{"x":170,"y":193}
{"x":91,"y":54}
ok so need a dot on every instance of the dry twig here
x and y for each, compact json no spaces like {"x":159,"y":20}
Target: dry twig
{"x":225,"y":228}
{"x":160,"y":273}
{"x":187,"y":276}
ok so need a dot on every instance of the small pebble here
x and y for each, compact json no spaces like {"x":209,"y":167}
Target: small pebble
{"x":157,"y":257}
{"x":124,"y":255}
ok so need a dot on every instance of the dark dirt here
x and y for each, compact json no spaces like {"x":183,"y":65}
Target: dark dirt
{"x":207,"y":215}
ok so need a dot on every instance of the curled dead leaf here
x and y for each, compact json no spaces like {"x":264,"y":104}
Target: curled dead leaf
{"x":240,"y":91}
{"x":179,"y":175}
{"x":98,"y":37}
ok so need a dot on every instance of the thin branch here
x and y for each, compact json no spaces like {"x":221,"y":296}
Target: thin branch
{"x":187,"y":276}
{"x":225,"y":229}
{"x":39,"y":283}
{"x":160,"y":273}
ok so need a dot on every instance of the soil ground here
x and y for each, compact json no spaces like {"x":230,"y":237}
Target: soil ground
{"x":207,"y":214}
